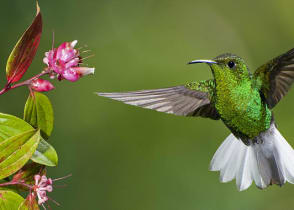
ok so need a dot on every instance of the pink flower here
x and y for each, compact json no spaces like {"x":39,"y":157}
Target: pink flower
{"x":41,"y":187}
{"x":65,"y":62}
{"x":41,"y":85}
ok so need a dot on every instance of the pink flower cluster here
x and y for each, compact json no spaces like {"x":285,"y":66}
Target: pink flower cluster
{"x":65,"y":62}
{"x":41,"y":187}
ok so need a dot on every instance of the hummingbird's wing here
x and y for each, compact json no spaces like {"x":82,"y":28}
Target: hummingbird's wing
{"x":276,"y":77}
{"x":178,"y":100}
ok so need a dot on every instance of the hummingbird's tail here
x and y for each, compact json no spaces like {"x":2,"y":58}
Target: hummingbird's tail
{"x":269,"y":161}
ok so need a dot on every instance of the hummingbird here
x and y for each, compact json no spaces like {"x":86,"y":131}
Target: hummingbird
{"x":255,"y":150}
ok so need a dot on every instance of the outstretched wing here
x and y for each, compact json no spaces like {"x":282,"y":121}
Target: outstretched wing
{"x":190,"y":100}
{"x":276,"y":77}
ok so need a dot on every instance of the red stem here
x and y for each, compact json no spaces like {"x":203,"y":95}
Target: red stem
{"x":27,"y":82}
{"x":16,"y":183}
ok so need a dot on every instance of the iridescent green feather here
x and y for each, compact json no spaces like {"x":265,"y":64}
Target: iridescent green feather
{"x":208,"y":87}
{"x":204,"y":86}
{"x":238,"y":100}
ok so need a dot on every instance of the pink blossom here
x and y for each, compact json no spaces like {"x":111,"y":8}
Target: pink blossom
{"x":41,"y":187}
{"x":41,"y":85}
{"x":65,"y":62}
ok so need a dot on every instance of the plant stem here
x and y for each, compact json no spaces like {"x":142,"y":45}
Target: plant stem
{"x":27,"y":82}
{"x":16,"y":183}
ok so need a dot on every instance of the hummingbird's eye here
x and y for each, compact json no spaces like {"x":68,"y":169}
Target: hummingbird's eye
{"x":231,"y":64}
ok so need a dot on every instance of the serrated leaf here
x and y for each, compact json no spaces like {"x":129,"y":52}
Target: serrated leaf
{"x":16,"y":151}
{"x":30,"y":203}
{"x":45,"y":154}
{"x":39,"y":113}
{"x":24,"y":51}
{"x":10,"y":200}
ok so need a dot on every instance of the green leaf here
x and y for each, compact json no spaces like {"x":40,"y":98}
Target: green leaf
{"x":30,"y":203}
{"x":45,"y":154}
{"x":9,"y":200}
{"x":39,"y":113}
{"x":16,"y":151}
{"x":24,"y":51}
{"x":11,"y":126}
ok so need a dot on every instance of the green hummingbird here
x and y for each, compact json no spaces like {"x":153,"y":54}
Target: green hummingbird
{"x":255,"y":150}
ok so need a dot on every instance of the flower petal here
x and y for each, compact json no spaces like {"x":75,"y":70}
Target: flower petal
{"x":84,"y":70}
{"x":70,"y":75}
{"x":72,"y":63}
{"x":73,"y":43}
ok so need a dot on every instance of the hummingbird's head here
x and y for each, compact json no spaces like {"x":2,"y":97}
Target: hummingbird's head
{"x":227,"y":66}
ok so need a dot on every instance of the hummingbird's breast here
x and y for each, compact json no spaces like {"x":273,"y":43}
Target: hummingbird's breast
{"x":241,"y":108}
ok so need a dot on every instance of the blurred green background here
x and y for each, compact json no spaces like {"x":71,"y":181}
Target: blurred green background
{"x":127,"y":158}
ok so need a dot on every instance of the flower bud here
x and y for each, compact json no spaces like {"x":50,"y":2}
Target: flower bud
{"x":41,"y":85}
{"x":49,"y":188}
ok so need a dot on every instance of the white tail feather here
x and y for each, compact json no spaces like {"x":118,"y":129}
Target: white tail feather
{"x":271,"y":161}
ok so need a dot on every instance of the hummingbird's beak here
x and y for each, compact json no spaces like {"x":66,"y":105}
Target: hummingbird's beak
{"x":202,"y":61}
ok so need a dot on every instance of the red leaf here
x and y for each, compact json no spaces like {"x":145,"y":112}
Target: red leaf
{"x":24,"y":51}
